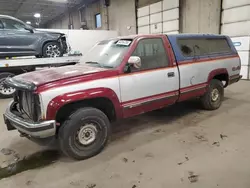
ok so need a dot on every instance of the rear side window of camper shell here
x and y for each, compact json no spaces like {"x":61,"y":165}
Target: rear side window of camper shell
{"x":192,"y":47}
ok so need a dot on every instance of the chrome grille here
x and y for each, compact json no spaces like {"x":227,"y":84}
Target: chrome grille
{"x":28,"y":105}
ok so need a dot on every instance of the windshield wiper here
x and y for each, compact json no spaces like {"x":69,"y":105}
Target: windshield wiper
{"x":96,"y":63}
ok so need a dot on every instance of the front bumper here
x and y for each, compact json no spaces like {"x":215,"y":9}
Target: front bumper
{"x":33,"y":129}
{"x":64,"y":44}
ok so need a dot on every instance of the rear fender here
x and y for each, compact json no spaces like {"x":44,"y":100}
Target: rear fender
{"x":67,"y":98}
{"x":216,"y":72}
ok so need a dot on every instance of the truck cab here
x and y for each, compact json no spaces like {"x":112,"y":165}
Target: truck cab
{"x":120,"y":78}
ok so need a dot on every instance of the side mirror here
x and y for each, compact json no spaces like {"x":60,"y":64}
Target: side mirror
{"x":135,"y":61}
{"x":30,"y":29}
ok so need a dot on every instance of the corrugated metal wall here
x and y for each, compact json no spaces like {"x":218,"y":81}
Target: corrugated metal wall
{"x":236,"y":17}
{"x":160,"y":17}
{"x":236,"y":23}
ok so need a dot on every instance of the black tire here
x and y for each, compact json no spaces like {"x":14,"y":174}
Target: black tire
{"x":56,"y":47}
{"x":209,"y":101}
{"x":70,"y":130}
{"x":3,"y":88}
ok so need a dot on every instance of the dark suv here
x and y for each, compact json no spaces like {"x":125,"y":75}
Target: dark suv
{"x":19,"y":39}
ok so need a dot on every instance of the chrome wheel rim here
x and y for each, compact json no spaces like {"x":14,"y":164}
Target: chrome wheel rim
{"x":53,"y":51}
{"x":87,"y":134}
{"x":215,"y":95}
{"x":5,"y":90}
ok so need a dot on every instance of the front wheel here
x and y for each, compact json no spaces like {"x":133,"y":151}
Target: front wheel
{"x":84,"y":134}
{"x":52,"y":49}
{"x":213,"y":97}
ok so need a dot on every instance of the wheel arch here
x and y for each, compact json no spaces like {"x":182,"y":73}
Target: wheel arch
{"x":219,"y":74}
{"x":103,"y":99}
{"x":46,"y":42}
{"x":102,"y":103}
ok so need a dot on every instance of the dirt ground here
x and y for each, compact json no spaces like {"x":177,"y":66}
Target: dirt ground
{"x":180,"y":146}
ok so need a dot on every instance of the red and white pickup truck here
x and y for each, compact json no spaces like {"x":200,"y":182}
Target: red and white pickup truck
{"x":120,"y":78}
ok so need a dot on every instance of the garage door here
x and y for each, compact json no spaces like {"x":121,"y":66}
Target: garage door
{"x":235,"y":18}
{"x":158,"y":18}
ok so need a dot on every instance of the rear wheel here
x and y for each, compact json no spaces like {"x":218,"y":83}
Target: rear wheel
{"x":213,"y":97}
{"x":52,"y":49}
{"x":84,"y":134}
{"x":6,"y":91}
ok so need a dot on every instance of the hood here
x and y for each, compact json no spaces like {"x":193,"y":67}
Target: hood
{"x":54,"y":74}
{"x":48,"y":32}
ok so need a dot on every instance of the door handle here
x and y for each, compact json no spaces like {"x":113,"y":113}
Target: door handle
{"x":171,"y":74}
{"x":10,"y":33}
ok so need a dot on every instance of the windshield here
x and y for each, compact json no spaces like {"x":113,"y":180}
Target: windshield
{"x":107,"y":54}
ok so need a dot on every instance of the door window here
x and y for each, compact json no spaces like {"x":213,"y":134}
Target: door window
{"x":152,"y":54}
{"x":12,"y":24}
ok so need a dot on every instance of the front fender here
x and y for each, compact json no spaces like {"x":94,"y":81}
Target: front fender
{"x":47,"y":38}
{"x":67,"y":98}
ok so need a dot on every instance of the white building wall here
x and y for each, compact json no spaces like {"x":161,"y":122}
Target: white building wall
{"x":235,"y":18}
{"x":242,"y":44}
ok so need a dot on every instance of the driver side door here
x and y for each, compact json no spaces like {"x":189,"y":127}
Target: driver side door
{"x":17,"y":40}
{"x":155,"y":84}
{"x":2,"y":38}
